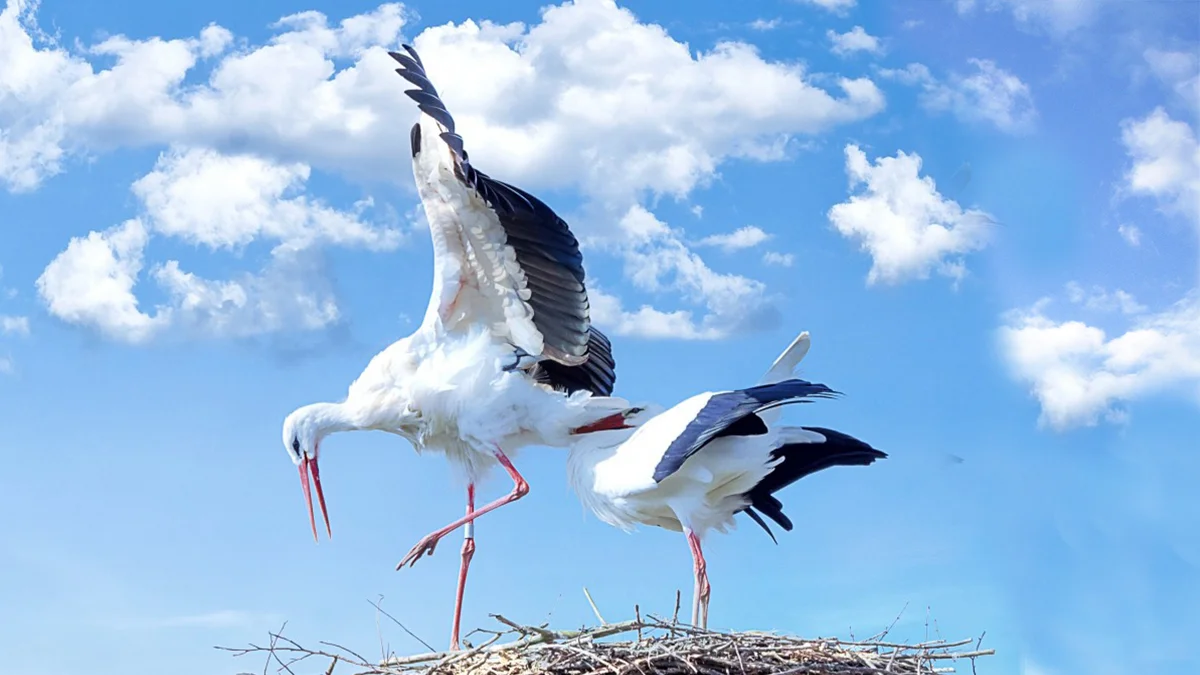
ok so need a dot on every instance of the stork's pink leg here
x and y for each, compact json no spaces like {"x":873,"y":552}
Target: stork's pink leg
{"x":702,"y":589}
{"x":429,"y":542}
{"x":468,"y":551}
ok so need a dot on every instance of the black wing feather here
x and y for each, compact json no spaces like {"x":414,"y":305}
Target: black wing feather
{"x":598,"y":374}
{"x":803,"y":459}
{"x":538,"y":236}
{"x":725,"y":409}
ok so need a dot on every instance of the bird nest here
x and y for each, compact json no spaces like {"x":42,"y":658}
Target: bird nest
{"x":650,"y":647}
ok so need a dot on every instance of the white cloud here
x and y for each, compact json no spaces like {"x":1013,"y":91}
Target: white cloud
{"x":854,"y":40}
{"x":1132,"y":234}
{"x":1179,"y":70}
{"x":657,"y":261}
{"x":743,"y":237}
{"x":901,"y":220}
{"x":91,"y":283}
{"x":204,"y":198}
{"x":765,"y":24}
{"x":913,"y":73}
{"x":227,"y":201}
{"x":1099,"y":299}
{"x":779,"y":259}
{"x":589,"y":97}
{"x":647,"y":322}
{"x":14,"y":325}
{"x":990,"y":95}
{"x":6,"y":366}
{"x":1080,"y":375}
{"x":836,"y":6}
{"x":1058,"y":17}
{"x":1166,"y":162}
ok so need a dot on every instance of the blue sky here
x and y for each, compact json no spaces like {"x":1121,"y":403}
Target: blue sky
{"x":986,"y":213}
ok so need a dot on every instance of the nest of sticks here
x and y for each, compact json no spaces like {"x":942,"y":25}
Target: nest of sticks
{"x":651,"y":646}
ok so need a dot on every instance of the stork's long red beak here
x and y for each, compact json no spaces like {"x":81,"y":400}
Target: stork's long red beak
{"x":309,"y":466}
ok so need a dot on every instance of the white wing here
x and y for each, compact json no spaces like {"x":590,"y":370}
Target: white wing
{"x":502,"y":257}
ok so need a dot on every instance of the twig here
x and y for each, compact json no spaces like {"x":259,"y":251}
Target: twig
{"x":880,"y":636}
{"x":637,"y":612}
{"x":675,"y":616}
{"x":383,"y":651}
{"x":402,"y":626}
{"x":593,"y":604}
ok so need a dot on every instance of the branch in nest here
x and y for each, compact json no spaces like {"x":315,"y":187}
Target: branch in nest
{"x":660,"y":648}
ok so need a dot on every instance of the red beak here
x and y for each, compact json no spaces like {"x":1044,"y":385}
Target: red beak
{"x":309,"y":466}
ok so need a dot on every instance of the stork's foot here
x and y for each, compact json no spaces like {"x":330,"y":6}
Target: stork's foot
{"x":423,"y":548}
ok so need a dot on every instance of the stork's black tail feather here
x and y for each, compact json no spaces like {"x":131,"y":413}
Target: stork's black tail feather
{"x":598,"y":374}
{"x":800,"y":460}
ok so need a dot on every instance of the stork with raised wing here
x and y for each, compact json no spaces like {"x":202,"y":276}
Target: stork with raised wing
{"x":693,"y":467}
{"x":506,"y":355}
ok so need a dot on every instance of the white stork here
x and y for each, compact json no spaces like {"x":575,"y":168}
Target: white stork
{"x":506,"y":355}
{"x":693,"y":467}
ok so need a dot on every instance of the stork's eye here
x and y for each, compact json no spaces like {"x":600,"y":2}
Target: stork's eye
{"x":296,"y":445}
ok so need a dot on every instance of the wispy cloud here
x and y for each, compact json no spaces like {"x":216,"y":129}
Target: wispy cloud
{"x":14,"y":325}
{"x":215,"y":620}
{"x":744,"y":237}
{"x":779,"y":259}
{"x":765,"y":24}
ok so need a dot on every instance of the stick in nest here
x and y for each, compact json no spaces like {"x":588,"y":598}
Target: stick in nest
{"x":660,"y":648}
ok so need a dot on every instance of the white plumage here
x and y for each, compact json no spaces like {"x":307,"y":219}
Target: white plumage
{"x":505,"y":356}
{"x":691,"y":468}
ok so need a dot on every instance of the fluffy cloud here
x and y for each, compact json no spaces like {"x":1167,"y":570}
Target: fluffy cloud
{"x":854,"y":40}
{"x":590,"y":97}
{"x":743,"y":237}
{"x":219,"y":201}
{"x":1166,"y":162}
{"x":1058,"y":17}
{"x":990,"y":95}
{"x":54,"y":102}
{"x":91,"y":283}
{"x":903,"y":222}
{"x":657,"y":261}
{"x":1080,"y":375}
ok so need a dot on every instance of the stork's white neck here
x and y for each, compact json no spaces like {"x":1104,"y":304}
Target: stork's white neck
{"x":329,"y":418}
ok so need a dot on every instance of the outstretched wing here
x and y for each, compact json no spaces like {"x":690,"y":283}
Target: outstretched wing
{"x":519,"y":253}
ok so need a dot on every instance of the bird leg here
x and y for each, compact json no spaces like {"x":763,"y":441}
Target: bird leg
{"x":702,"y":589}
{"x":429,"y":542}
{"x":468,"y":551}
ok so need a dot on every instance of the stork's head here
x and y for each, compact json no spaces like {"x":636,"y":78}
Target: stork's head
{"x":302,"y":434}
